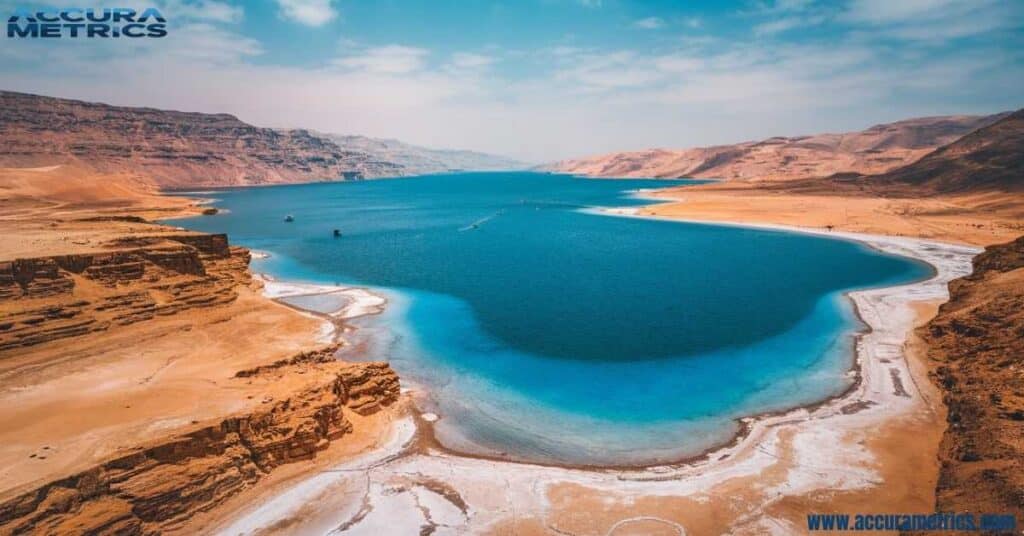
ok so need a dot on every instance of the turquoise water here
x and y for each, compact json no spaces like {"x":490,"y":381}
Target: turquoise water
{"x":549,"y":333}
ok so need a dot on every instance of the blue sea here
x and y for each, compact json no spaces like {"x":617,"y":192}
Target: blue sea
{"x":546,"y":332}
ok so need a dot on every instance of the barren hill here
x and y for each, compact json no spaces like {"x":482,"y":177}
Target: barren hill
{"x":988,"y":159}
{"x":875,"y":150}
{"x":186,"y":150}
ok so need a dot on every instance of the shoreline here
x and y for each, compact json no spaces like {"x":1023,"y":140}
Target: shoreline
{"x":880,"y":360}
{"x":276,"y":290}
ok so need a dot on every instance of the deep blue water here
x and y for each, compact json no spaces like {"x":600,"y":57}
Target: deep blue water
{"x":553,"y":334}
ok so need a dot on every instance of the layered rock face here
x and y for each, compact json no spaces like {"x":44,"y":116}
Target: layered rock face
{"x":174,"y":149}
{"x":159,"y":487}
{"x":877,"y":149}
{"x":976,"y":343}
{"x":141,"y":277}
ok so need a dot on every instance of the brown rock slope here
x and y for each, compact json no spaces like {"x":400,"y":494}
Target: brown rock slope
{"x":161,"y":486}
{"x":173,"y":149}
{"x":43,"y":299}
{"x":988,"y":159}
{"x":976,"y":343}
{"x":144,"y":381}
{"x":874,"y":150}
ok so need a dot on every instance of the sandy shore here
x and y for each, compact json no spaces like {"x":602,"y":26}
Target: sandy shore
{"x":874,"y":445}
{"x":975,"y":219}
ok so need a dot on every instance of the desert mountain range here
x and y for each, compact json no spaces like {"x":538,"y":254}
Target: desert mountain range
{"x":415,"y":160}
{"x":990,"y":158}
{"x":877,"y":149}
{"x":171,"y":149}
{"x":184,"y":149}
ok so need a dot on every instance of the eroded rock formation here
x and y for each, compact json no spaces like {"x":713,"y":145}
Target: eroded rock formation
{"x":161,"y":486}
{"x":140,"y":277}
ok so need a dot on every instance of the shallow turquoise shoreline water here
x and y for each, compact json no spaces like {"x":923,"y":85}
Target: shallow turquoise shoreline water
{"x":547,"y":333}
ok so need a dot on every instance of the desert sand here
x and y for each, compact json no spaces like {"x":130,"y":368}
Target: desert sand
{"x":976,"y":219}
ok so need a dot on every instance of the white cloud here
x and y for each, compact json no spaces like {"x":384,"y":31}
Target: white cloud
{"x":649,"y":23}
{"x":206,"y":42}
{"x":887,"y":12}
{"x":678,"y":63}
{"x":467,"y":60}
{"x":597,"y":72}
{"x":782,"y":6}
{"x":933,"y":20}
{"x":786,"y":24}
{"x":204,"y":10}
{"x":563,"y":51}
{"x":777,"y":26}
{"x":308,"y":12}
{"x":390,"y":59}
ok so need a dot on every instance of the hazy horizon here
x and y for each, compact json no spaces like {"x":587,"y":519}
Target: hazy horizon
{"x":544,"y":80}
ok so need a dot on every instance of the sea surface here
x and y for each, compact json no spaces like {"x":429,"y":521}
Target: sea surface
{"x":544,"y":331}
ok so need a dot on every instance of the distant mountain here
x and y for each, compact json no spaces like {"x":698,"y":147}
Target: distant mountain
{"x":415,"y":160}
{"x":874,"y":150}
{"x":988,"y":159}
{"x":186,"y":150}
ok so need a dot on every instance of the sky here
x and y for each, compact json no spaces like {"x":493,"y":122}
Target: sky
{"x":542,"y":80}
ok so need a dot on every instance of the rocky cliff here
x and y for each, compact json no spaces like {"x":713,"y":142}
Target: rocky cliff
{"x":159,"y":487}
{"x":185,"y":150}
{"x":874,"y":150}
{"x":139,"y":278}
{"x":175,"y":149}
{"x":976,"y":344}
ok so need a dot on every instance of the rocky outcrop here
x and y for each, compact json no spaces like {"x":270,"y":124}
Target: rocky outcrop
{"x":976,"y":344}
{"x":139,"y":278}
{"x":161,"y":486}
{"x":874,"y":150}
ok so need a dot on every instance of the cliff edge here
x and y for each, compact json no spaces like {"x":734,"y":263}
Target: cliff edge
{"x":976,"y":345}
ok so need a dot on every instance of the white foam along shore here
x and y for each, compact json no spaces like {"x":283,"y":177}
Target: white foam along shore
{"x":816,"y":449}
